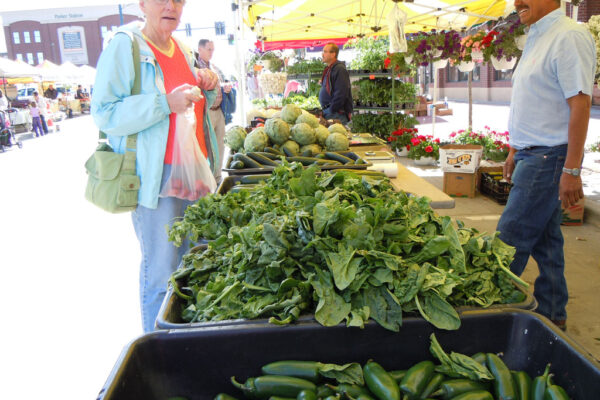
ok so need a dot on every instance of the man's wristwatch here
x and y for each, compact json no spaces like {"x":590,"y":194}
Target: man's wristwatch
{"x":572,"y":171}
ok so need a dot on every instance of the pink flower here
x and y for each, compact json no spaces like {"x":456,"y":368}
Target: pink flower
{"x":486,"y":127}
{"x":415,"y":141}
{"x":453,"y":134}
{"x":461,"y":131}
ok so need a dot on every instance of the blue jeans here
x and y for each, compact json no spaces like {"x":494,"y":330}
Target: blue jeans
{"x":327,"y":114}
{"x":159,"y":256}
{"x":531,"y":223}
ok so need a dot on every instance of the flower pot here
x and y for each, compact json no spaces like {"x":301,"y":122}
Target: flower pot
{"x":437,"y":52}
{"x":402,"y":152}
{"x":477,"y":55}
{"x":408,"y":59}
{"x":503,"y":63}
{"x":520,"y":41}
{"x":425,"y":161}
{"x":439,"y":64}
{"x":466,"y":66}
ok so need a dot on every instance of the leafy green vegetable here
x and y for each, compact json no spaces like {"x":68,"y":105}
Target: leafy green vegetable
{"x":458,"y":365}
{"x":348,"y":373}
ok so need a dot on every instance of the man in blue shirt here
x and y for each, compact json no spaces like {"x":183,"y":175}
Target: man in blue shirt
{"x":335,"y":95}
{"x":549,"y":115}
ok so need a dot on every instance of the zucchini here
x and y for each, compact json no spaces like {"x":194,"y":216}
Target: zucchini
{"x":360,"y":161}
{"x":259,"y":158}
{"x":273,"y":151}
{"x":253,"y":179}
{"x":236,"y":164}
{"x":270,"y":156}
{"x":248,"y":162}
{"x":307,"y":153}
{"x":288,"y":152}
{"x":338,"y":157}
{"x":320,"y":156}
{"x":348,"y":154}
{"x":305,"y":160}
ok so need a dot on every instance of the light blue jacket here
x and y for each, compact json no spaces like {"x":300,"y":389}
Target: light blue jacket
{"x":118,"y":114}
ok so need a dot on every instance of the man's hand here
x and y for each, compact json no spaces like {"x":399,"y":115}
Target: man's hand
{"x":570,"y":189}
{"x":207,"y":79}
{"x":509,"y":166}
{"x":181,"y":98}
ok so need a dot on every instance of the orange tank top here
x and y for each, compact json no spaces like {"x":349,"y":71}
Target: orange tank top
{"x":176,"y":72}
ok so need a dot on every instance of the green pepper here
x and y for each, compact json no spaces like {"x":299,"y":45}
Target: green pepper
{"x":397,"y":374}
{"x":504,"y":386}
{"x":308,"y":370}
{"x":480,"y":358}
{"x":351,"y":391}
{"x":264,"y":387}
{"x":222,"y":396}
{"x":281,"y":398}
{"x":538,"y":386}
{"x":306,"y":395}
{"x":454,"y":387}
{"x":332,"y":398}
{"x":555,"y":392}
{"x":523,"y":384}
{"x":475,"y":395}
{"x":380,"y":383}
{"x":433,"y":384}
{"x":416,"y":379}
{"x":324,"y":391}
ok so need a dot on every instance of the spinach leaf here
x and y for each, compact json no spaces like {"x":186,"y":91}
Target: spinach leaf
{"x":437,"y":311}
{"x":458,"y":365}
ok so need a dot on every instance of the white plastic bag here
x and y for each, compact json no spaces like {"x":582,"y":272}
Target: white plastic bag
{"x":191,"y":176}
{"x":396,"y":21}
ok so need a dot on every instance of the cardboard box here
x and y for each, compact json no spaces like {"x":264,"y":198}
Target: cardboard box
{"x":462,"y":158}
{"x":574,"y":214}
{"x":459,"y":184}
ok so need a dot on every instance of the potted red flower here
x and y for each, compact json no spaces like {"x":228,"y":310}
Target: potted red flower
{"x":400,"y":140}
{"x":425,"y":150}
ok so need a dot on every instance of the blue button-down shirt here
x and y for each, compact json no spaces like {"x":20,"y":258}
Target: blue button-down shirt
{"x":558,"y":62}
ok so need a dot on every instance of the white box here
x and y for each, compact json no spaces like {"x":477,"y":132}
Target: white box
{"x":462,"y":158}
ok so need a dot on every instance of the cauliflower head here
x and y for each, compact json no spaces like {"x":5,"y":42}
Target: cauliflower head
{"x":322,"y":134}
{"x":256,"y":140}
{"x":337,"y":128}
{"x":337,"y":142}
{"x":278,"y":130}
{"x":290,"y":112}
{"x":309,"y":119}
{"x":303,"y":134}
{"x":292,"y":146}
{"x":234,"y":138}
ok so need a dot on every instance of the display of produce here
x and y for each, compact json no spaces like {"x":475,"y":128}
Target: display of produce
{"x":342,"y":246}
{"x":272,"y":82}
{"x":381,"y":124}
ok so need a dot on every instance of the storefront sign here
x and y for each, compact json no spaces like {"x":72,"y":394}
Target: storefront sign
{"x":72,"y":44}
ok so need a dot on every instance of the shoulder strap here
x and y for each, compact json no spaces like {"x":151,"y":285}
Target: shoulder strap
{"x":137,"y":89}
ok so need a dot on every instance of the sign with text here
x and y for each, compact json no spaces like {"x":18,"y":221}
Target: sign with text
{"x":72,"y":44}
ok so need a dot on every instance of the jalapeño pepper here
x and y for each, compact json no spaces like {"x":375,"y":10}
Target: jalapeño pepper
{"x":475,"y":395}
{"x":267,"y":386}
{"x":455,"y":387}
{"x":522,"y":383}
{"x":504,"y":386}
{"x":555,"y":392}
{"x":433,"y":384}
{"x":351,"y":391}
{"x":416,"y":379}
{"x":397,"y":374}
{"x":538,"y":386}
{"x":308,"y":370}
{"x":380,"y":383}
{"x":306,"y":395}
{"x":222,"y":396}
{"x":480,"y":358}
{"x":324,"y":391}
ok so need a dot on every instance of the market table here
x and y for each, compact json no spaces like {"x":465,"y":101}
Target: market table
{"x":412,"y":183}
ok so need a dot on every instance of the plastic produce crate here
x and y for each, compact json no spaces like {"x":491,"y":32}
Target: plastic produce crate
{"x":197,"y":364}
{"x":492,"y":186}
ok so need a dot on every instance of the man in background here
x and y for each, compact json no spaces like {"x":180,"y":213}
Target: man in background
{"x":51,"y":93}
{"x":335,"y":95}
{"x":206,"y":49}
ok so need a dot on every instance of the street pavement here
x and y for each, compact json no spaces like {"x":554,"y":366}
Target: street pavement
{"x":69,"y":271}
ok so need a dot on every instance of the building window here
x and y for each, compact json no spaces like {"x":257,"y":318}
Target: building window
{"x":504,"y":75}
{"x":40,"y":57}
{"x":26,"y":37}
{"x":16,"y":38}
{"x":19,"y":56}
{"x":454,"y":75}
{"x":30,"y":58}
{"x":37,"y":37}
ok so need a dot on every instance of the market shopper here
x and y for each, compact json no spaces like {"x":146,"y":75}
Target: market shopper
{"x":218,"y":117}
{"x":42,"y":106}
{"x":36,"y":122}
{"x":51,"y":93}
{"x":79,"y":93}
{"x":167,"y":75}
{"x":549,"y":115}
{"x":335,"y":95}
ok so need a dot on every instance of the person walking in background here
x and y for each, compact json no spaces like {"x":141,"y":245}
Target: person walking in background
{"x":42,"y":106}
{"x":35,"y":119}
{"x":79,"y":93}
{"x":335,"y":95}
{"x":167,"y":75}
{"x":206,"y":49}
{"x":51,"y":93}
{"x":549,"y":115}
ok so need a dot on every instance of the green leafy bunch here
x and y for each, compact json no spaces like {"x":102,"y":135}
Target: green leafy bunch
{"x":370,"y":52}
{"x":341,"y":246}
{"x":382,"y":123}
{"x":301,"y":66}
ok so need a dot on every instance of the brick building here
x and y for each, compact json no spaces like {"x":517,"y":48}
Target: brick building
{"x":63,"y":34}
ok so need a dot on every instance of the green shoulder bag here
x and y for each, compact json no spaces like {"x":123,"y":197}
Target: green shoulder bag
{"x":113,"y":184}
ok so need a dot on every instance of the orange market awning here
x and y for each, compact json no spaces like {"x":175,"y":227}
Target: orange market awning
{"x":284,"y":20}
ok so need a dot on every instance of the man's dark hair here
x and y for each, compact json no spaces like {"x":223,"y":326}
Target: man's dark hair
{"x":36,"y":94}
{"x":335,"y":48}
{"x":203,"y":42}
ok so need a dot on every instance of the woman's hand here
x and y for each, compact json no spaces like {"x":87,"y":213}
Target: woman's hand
{"x":207,"y":79}
{"x":181,"y":98}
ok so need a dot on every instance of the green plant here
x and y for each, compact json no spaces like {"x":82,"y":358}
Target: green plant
{"x":370,"y":52}
{"x":301,"y":66}
{"x":501,"y":42}
{"x":381,"y":124}
{"x":424,"y":146}
{"x":401,"y":138}
{"x":595,"y":147}
{"x":379,"y":91}
{"x":274,"y":60}
{"x":495,"y":144}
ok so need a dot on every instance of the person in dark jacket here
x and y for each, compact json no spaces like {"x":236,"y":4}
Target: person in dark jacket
{"x":335,"y":95}
{"x":51,"y":93}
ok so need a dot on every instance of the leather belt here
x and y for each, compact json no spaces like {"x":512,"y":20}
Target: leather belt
{"x":216,"y":108}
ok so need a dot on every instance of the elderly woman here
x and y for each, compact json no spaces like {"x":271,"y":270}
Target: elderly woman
{"x":167,"y":75}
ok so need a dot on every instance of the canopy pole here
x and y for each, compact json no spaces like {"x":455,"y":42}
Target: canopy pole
{"x":239,"y":35}
{"x":470,"y":89}
{"x":435,"y":89}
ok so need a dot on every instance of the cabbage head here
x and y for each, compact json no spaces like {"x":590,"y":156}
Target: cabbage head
{"x":278,"y":130}
{"x":314,"y":149}
{"x":256,"y":140}
{"x":303,"y":134}
{"x":292,"y":146}
{"x":308,"y":118}
{"x":322,"y":134}
{"x":337,"y":142}
{"x":337,"y":128}
{"x":290,"y":112}
{"x":234,"y":138}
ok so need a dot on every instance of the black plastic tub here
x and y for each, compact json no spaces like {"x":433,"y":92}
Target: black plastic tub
{"x":197,"y":364}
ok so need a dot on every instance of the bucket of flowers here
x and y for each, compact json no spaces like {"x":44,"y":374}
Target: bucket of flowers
{"x":495,"y":143}
{"x":500,"y":46}
{"x":400,"y":140}
{"x":425,"y":150}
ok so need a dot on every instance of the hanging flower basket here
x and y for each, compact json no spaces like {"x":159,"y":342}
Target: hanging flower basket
{"x":520,"y":41}
{"x":408,"y":59}
{"x":425,"y":161}
{"x":466,"y":66}
{"x":503,"y":64}
{"x":477,"y":55}
{"x":439,"y":64}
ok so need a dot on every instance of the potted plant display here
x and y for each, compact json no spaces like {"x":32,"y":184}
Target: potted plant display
{"x":401,"y":139}
{"x":424,"y":150}
{"x":500,"y":46}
